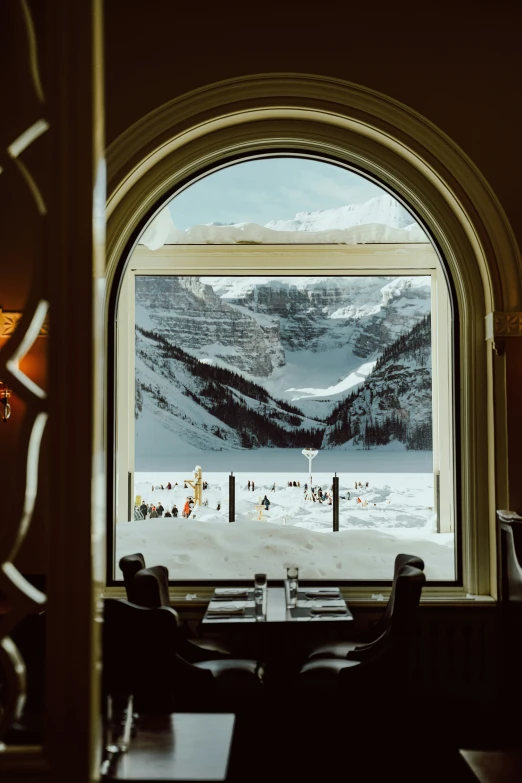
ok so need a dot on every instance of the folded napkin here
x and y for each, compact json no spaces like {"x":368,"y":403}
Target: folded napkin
{"x":226,"y":609}
{"x":228,"y":593}
{"x":328,"y":609}
{"x":333,"y":593}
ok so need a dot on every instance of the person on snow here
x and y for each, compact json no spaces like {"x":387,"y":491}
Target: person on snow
{"x":186,"y":509}
{"x":253,"y":487}
{"x":160,"y":510}
{"x":144,"y":510}
{"x":218,"y":507}
{"x":169,"y":486}
{"x":249,"y":485}
{"x":153,"y":513}
{"x":265,"y":502}
{"x":168,"y":514}
{"x":175,"y":511}
{"x":273,"y":487}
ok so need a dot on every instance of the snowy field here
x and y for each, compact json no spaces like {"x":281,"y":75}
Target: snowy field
{"x":399,"y":517}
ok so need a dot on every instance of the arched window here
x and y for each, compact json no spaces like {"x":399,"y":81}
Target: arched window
{"x":276,"y":305}
{"x":345,"y":126}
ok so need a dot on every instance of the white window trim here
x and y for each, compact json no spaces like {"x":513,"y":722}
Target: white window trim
{"x":299,"y":260}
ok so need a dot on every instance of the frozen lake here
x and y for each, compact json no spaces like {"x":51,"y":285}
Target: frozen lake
{"x":399,"y":517}
{"x":393,"y":458}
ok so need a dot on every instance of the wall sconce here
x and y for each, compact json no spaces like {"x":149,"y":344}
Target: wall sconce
{"x":5,"y":394}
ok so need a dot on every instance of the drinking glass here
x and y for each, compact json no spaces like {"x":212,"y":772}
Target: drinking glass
{"x":291,"y":585}
{"x":260,"y":596}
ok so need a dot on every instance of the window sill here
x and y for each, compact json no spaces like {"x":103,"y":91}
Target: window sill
{"x":192,"y":597}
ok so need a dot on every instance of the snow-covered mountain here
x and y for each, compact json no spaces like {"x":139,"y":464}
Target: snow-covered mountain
{"x":205,"y":407}
{"x":384,"y":210}
{"x":248,"y":362}
{"x":395,"y":400}
{"x":184,"y":404}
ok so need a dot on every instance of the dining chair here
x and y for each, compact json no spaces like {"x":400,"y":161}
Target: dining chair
{"x":511,"y":564}
{"x":385,"y":663}
{"x":141,"y":656}
{"x":150,"y":589}
{"x":129,"y":566}
{"x":362,"y":644}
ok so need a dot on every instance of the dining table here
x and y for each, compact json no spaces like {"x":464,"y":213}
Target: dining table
{"x":283,"y":636}
{"x":176,"y":748}
{"x":236,"y":607}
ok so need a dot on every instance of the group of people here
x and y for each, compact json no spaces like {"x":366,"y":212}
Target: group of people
{"x":293,"y":484}
{"x":154,"y":512}
{"x":251,"y":486}
{"x":318,"y":496}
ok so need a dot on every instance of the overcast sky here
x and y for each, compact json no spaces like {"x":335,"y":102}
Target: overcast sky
{"x":269,"y":189}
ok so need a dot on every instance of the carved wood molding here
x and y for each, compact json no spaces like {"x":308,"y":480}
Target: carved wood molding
{"x":9,"y":322}
{"x":500,"y":324}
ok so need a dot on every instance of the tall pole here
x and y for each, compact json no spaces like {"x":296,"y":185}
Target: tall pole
{"x":309,"y":454}
{"x":231,"y":498}
{"x":336,"y":503}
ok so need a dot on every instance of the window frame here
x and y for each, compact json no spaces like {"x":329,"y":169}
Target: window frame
{"x":299,"y":260}
{"x":369,"y":132}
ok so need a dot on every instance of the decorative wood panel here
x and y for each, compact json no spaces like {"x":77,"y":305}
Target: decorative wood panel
{"x":499,"y":324}
{"x":52,"y":171}
{"x":24,"y":127}
{"x":9,"y":323}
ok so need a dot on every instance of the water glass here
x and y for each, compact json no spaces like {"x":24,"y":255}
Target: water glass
{"x":260,"y":596}
{"x":291,"y":585}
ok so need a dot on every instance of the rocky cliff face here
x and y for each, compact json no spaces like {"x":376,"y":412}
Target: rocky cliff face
{"x":321,"y":314}
{"x":188,"y":312}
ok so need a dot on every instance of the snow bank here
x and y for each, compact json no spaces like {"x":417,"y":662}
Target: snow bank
{"x":251,"y":233}
{"x":194,"y":550}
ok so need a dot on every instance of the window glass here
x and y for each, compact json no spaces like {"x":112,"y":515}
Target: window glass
{"x":256,"y":390}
